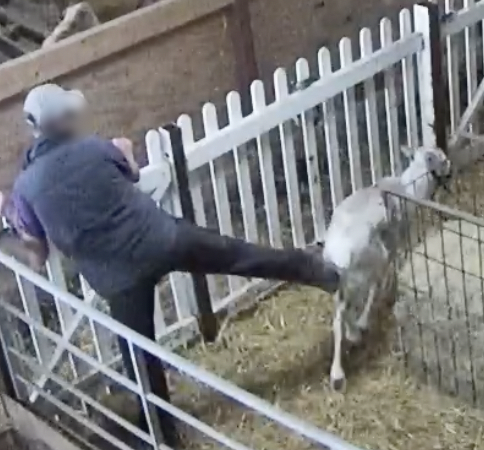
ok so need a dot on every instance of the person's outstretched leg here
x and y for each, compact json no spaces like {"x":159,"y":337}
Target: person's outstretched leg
{"x":135,"y":308}
{"x":201,"y":250}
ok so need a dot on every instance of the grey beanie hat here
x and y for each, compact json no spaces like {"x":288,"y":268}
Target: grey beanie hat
{"x":49,"y":102}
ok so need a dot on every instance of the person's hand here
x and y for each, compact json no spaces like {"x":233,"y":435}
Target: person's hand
{"x":125,"y":145}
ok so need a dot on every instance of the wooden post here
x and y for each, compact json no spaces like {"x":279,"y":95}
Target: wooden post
{"x":246,"y":70}
{"x":206,"y":320}
{"x":439,"y":94}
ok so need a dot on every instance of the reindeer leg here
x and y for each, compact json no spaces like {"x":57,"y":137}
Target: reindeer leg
{"x":352,"y":332}
{"x":337,"y":375}
{"x":363,"y":321}
{"x":391,"y":272}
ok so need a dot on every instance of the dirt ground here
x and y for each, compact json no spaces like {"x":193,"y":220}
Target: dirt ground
{"x":282,"y":353}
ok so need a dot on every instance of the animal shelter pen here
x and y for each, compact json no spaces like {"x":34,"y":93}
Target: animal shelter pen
{"x":294,"y":160}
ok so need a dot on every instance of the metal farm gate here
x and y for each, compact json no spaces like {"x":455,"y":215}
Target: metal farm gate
{"x":313,"y":146}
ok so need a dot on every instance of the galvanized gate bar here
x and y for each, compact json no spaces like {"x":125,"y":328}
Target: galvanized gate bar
{"x":467,"y":116}
{"x":59,"y":351}
{"x":173,"y":410}
{"x":247,"y":399}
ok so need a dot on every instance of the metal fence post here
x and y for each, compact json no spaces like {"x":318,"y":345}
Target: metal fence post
{"x":432,"y":91}
{"x":206,"y":320}
{"x":7,"y":383}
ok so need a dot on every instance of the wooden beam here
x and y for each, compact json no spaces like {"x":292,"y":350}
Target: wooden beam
{"x":78,"y":51}
{"x":439,"y":92}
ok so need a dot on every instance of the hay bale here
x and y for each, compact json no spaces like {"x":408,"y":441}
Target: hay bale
{"x":440,"y":309}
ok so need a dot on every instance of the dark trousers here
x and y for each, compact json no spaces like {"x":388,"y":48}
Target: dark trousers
{"x":205,"y":251}
{"x":135,"y":308}
{"x":201,"y":250}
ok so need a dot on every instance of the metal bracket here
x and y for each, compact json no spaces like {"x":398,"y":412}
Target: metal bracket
{"x":474,"y":138}
{"x":156,"y":177}
{"x":447,"y":17}
{"x":155,"y":180}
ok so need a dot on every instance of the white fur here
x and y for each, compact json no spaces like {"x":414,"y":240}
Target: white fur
{"x":362,"y":241}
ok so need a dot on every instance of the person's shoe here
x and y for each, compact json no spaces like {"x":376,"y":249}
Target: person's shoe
{"x":330,"y":280}
{"x":168,"y":429}
{"x":323,"y":274}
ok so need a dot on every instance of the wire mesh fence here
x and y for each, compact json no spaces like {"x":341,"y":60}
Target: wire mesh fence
{"x":439,"y":308}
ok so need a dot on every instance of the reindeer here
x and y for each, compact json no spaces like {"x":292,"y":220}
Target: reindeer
{"x":363,"y":240}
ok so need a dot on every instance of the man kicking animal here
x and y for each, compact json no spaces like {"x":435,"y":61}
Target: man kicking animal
{"x":77,"y":192}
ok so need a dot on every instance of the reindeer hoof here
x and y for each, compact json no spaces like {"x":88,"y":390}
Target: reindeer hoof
{"x":338,"y":384}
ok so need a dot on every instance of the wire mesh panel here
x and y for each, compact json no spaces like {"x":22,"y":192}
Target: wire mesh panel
{"x":439,"y":308}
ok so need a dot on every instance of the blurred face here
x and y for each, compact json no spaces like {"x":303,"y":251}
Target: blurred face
{"x":70,"y":125}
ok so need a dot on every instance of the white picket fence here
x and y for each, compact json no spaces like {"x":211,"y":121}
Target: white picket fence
{"x":356,"y":140}
{"x":247,"y":141}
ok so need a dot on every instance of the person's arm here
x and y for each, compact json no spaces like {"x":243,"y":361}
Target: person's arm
{"x":25,"y":240}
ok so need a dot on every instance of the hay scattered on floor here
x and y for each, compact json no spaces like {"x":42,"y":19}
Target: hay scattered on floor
{"x":466,"y":190}
{"x":282,"y":353}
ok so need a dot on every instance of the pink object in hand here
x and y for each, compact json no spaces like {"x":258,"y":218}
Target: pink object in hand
{"x":123,"y":143}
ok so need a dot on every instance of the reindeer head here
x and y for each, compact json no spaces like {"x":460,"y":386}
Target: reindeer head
{"x":435,"y":162}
